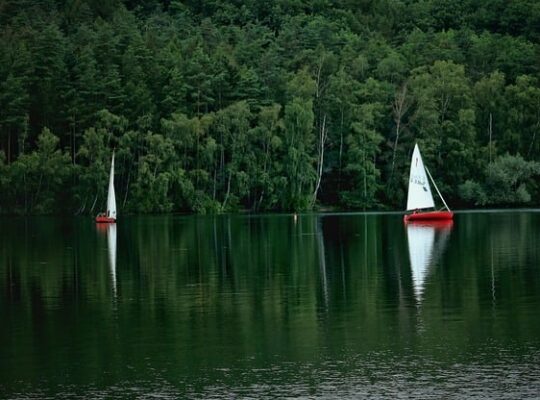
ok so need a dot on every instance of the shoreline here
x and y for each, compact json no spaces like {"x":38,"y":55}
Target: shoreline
{"x":325,"y":212}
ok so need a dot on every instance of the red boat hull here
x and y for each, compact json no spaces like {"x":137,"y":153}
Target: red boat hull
{"x":429,"y":216}
{"x":105,"y":220}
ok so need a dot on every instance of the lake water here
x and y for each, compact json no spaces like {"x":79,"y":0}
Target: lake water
{"x":324,"y":306}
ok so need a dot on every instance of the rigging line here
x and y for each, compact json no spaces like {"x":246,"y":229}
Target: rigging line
{"x":436,"y":188}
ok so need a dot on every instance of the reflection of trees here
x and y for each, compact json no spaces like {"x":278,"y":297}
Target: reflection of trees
{"x":487,"y":252}
{"x":189,"y":288}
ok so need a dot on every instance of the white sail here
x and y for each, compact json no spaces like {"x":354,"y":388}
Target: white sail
{"x":111,"y":197}
{"x":421,"y":240}
{"x":111,"y":241}
{"x":419,"y":190}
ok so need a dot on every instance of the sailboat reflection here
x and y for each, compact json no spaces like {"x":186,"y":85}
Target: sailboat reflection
{"x":427,"y":242}
{"x":111,"y":243}
{"x":110,"y":231}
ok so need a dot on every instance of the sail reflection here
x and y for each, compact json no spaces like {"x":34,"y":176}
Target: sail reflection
{"x":427,"y":242}
{"x":110,"y":231}
{"x":111,"y":244}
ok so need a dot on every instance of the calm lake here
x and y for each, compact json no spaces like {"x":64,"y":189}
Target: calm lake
{"x":324,"y":306}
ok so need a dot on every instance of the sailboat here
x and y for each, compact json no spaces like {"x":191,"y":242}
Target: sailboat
{"x":419,"y":198}
{"x":110,"y":215}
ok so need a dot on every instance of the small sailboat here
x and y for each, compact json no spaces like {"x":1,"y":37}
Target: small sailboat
{"x":419,"y":198}
{"x":110,"y":215}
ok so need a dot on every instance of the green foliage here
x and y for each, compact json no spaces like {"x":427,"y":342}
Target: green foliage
{"x":506,"y":182}
{"x":92,"y":169}
{"x":154,"y":176}
{"x":299,"y":163}
{"x":361,"y":171}
{"x":221,"y":106}
{"x":37,"y":178}
{"x":473,"y":193}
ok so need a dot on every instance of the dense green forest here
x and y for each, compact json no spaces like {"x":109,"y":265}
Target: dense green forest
{"x":216,"y":106}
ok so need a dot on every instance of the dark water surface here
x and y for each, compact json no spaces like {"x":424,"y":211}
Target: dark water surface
{"x":327,"y":306}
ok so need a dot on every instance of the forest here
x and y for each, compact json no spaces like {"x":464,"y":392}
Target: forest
{"x":223,"y":106}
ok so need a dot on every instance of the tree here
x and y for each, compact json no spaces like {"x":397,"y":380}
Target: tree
{"x":444,"y":120}
{"x":342,"y":102}
{"x":48,"y":83}
{"x":13,"y":113}
{"x":266,"y":138}
{"x":154,"y":176}
{"x":299,"y":141}
{"x":399,"y":142}
{"x":198,"y":73}
{"x":40,"y":176}
{"x":506,"y":181}
{"x":94,"y":157}
{"x":523,"y":117}
{"x":361,"y":169}
{"x":491,"y":105}
{"x":231,"y":172}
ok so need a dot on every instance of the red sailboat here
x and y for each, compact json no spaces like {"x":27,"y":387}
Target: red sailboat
{"x":419,"y":199}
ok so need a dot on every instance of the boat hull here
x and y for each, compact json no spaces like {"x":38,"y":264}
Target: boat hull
{"x":105,"y":220}
{"x":429,"y":216}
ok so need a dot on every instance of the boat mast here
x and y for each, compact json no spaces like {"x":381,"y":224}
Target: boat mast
{"x":436,"y":188}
